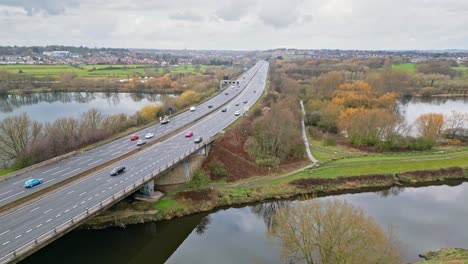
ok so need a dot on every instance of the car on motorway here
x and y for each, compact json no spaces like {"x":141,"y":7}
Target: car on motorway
{"x":117,"y":170}
{"x":237,"y":104}
{"x":237,"y":113}
{"x":192,"y":108}
{"x":189,"y":134}
{"x":245,"y":101}
{"x":210,"y":106}
{"x":198,"y":140}
{"x":226,"y":93}
{"x":149,"y":135}
{"x":141,"y":142}
{"x":32,"y":182}
{"x":165,"y":120}
{"x":224,"y":109}
{"x":134,"y":137}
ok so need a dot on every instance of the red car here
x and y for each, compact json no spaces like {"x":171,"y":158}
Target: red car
{"x":134,"y":137}
{"x":189,"y":134}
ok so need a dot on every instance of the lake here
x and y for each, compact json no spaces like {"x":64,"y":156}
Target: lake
{"x":427,"y":218}
{"x":47,"y":107}
{"x":412,"y":107}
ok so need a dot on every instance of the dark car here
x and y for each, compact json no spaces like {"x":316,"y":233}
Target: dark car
{"x":198,"y":140}
{"x":224,"y":109}
{"x":245,"y":101}
{"x":210,"y":106}
{"x":117,"y":170}
{"x":226,"y":93}
{"x":237,"y":104}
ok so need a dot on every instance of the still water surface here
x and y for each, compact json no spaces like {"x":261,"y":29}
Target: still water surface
{"x":427,"y":218}
{"x":51,"y":106}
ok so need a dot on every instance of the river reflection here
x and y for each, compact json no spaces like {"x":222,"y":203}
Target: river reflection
{"x":51,"y":106}
{"x":427,"y":218}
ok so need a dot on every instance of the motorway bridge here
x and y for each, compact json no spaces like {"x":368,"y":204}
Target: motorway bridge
{"x":36,"y":223}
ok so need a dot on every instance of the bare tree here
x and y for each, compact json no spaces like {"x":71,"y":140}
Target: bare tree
{"x":333,"y":231}
{"x":16,"y":133}
{"x":455,"y":123}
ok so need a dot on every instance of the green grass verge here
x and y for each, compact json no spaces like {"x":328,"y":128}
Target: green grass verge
{"x":6,"y":171}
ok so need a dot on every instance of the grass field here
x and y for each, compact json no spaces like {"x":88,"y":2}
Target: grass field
{"x":463,"y":69}
{"x":405,"y":67}
{"x":94,"y":71}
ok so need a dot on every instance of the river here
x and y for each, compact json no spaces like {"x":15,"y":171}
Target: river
{"x":47,"y":107}
{"x":427,"y":218}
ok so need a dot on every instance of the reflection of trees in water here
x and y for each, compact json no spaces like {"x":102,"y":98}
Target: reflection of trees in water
{"x":268,"y":210}
{"x":203,"y":225}
{"x":8,"y":103}
{"x":394,"y":191}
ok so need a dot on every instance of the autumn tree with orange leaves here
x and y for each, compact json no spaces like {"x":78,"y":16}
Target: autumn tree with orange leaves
{"x":429,"y":126}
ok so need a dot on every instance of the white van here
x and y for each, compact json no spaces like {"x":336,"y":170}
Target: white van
{"x":192,"y":108}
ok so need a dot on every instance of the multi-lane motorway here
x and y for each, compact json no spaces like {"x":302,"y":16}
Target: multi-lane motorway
{"x":13,"y":189}
{"x":25,"y":224}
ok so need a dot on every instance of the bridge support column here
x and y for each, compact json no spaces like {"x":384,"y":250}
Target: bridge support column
{"x":148,"y":189}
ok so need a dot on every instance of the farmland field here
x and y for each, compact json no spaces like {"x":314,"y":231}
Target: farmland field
{"x":405,"y":67}
{"x":94,"y":71}
{"x":463,"y":69}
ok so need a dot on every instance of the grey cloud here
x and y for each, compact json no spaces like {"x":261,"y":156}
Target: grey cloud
{"x":187,"y":16}
{"x":279,"y":13}
{"x":235,"y":9}
{"x":50,"y":7}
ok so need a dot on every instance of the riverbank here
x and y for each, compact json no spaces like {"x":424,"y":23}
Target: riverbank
{"x":445,"y":255}
{"x":185,"y":202}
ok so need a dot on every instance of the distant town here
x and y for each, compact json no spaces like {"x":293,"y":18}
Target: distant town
{"x":81,"y":55}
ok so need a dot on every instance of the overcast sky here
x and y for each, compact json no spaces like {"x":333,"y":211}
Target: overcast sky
{"x":237,"y":24}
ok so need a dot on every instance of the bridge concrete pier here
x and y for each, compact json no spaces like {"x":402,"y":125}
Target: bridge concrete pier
{"x":183,"y":172}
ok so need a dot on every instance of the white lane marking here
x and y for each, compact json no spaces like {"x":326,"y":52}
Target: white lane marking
{"x":5,"y":192}
{"x":50,"y":180}
{"x":70,"y":192}
{"x":6,"y":242}
{"x":18,"y":236}
{"x":96,"y":195}
{"x":109,"y":180}
{"x":90,"y":198}
{"x":83,"y":202}
{"x":109,"y":188}
{"x":58,"y":215}
{"x":71,"y":171}
{"x":68,"y":210}
{"x":95,"y":162}
{"x":5,"y":232}
{"x":59,"y":171}
{"x":85,"y":161}
{"x":11,"y":196}
{"x":48,"y":220}
{"x":82,"y":193}
{"x":115,"y":184}
{"x":140,"y":158}
{"x":103,"y":191}
{"x":75,"y":206}
{"x":98,"y":179}
{"x":49,"y":170}
{"x":34,"y":209}
{"x":21,"y":181}
{"x":74,"y":160}
{"x":47,"y":211}
{"x":115,"y":153}
{"x":38,"y":225}
{"x":29,"y":230}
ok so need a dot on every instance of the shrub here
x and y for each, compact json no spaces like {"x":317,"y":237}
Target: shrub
{"x":217,"y":170}
{"x":199,"y":180}
{"x":420,"y":143}
{"x":268,"y":162}
{"x":329,"y":141}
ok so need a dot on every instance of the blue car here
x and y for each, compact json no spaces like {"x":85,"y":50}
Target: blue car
{"x":32,"y":182}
